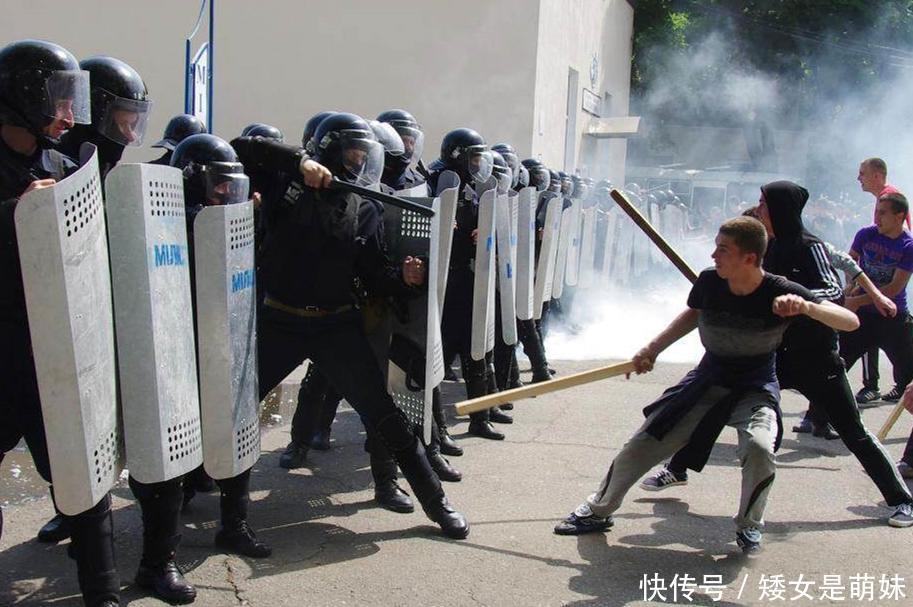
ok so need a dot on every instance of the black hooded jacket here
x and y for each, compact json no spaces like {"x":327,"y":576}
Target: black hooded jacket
{"x":801,"y":257}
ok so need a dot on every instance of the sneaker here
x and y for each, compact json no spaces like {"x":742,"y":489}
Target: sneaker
{"x":749,"y":540}
{"x":902,"y":517}
{"x":894,"y":395}
{"x":867,"y":395}
{"x":663,"y":479}
{"x":582,"y":520}
{"x":904,"y":469}
{"x":803,"y":427}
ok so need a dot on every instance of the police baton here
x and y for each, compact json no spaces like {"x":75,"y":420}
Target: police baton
{"x":396,"y":201}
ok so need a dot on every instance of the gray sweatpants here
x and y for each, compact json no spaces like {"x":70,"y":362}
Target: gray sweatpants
{"x":757,"y":427}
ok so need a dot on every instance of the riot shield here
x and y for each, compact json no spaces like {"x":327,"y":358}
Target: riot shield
{"x":416,"y":361}
{"x":448,"y":191}
{"x":482,"y":336}
{"x":561,"y":260}
{"x":153,"y":311}
{"x":572,"y":274}
{"x":526,"y":252}
{"x":611,"y":244}
{"x":63,"y":253}
{"x":548,"y":253}
{"x":587,"y":247}
{"x":227,"y":328}
{"x":506,"y":238}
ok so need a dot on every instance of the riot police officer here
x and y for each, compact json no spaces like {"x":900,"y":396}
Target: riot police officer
{"x":177,"y":130}
{"x":43,"y":93}
{"x":465,"y":152}
{"x":323,"y":240}
{"x":120,"y":110}
{"x":259,"y":129}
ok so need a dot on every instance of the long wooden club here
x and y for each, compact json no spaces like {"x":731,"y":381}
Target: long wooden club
{"x":889,"y":423}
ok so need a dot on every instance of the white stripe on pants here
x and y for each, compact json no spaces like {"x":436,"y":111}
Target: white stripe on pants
{"x":757,"y":428}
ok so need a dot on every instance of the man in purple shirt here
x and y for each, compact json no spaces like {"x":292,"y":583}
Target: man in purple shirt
{"x":885,"y":253}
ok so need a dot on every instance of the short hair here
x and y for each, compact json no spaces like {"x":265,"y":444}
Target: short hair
{"x":752,"y":212}
{"x":748,"y":234}
{"x":877,"y":164}
{"x":898,"y":202}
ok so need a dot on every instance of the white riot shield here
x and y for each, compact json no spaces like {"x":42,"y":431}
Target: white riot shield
{"x":622,"y":266}
{"x":564,"y":240}
{"x":483,"y":293}
{"x":507,"y":277}
{"x":572,"y":274}
{"x":448,"y":191}
{"x":63,"y":252}
{"x":227,"y":328}
{"x":157,"y":362}
{"x":673,"y":226}
{"x":587,"y":247}
{"x":548,"y":252}
{"x":611,"y":246}
{"x":526,"y":252}
{"x":416,"y":359}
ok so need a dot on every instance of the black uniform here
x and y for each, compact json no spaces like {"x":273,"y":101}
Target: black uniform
{"x":20,"y":406}
{"x":321,"y":241}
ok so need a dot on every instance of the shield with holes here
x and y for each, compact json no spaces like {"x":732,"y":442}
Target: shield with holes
{"x":416,"y":363}
{"x":226,"y":313}
{"x":526,"y":252}
{"x":572,"y":273}
{"x":587,"y":247}
{"x":506,"y":237}
{"x":482,"y":337}
{"x":565,"y":234}
{"x":153,"y":310}
{"x":63,"y":251}
{"x":548,"y":252}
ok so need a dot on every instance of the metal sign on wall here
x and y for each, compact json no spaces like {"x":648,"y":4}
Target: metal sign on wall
{"x":591,"y":103}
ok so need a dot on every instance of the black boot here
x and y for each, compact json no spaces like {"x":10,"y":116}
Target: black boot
{"x":294,"y":456}
{"x":92,"y":547}
{"x":448,"y":445}
{"x":477,"y":385}
{"x":495,"y":414}
{"x":535,"y":351}
{"x":387,"y":493}
{"x":55,"y":530}
{"x":235,"y":535}
{"x":160,"y":506}
{"x":412,"y":460}
{"x":438,"y":462}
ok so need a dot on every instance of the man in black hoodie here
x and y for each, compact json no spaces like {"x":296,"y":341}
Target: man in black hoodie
{"x":808,"y":359}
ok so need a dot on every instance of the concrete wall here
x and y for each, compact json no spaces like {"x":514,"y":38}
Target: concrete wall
{"x":476,"y":63}
{"x":571,"y":33}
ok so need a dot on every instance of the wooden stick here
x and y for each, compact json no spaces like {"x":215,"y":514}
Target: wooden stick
{"x":658,"y":240}
{"x":553,"y":385}
{"x":889,"y":423}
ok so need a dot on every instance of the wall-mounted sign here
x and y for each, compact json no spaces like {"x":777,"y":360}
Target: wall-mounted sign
{"x":591,"y":102}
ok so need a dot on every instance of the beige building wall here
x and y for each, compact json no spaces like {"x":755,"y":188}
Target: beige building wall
{"x":497,"y":66}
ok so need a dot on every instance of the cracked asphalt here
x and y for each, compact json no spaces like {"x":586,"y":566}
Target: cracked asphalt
{"x":332,"y":546}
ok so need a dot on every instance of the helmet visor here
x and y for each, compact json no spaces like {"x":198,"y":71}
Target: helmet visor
{"x":522,"y":177}
{"x":504,"y":180}
{"x":540,"y":178}
{"x":226,"y":184}
{"x":413,"y":140}
{"x":125,"y":120}
{"x":513,"y":161}
{"x":389,"y":138}
{"x":67,"y":96}
{"x":480,"y":163}
{"x":361,"y":158}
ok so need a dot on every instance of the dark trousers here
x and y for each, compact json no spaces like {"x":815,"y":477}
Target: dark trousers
{"x":870,"y":375}
{"x":338,"y":346}
{"x":908,"y":451}
{"x":21,"y":418}
{"x":819,"y":376}
{"x":893,"y":335}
